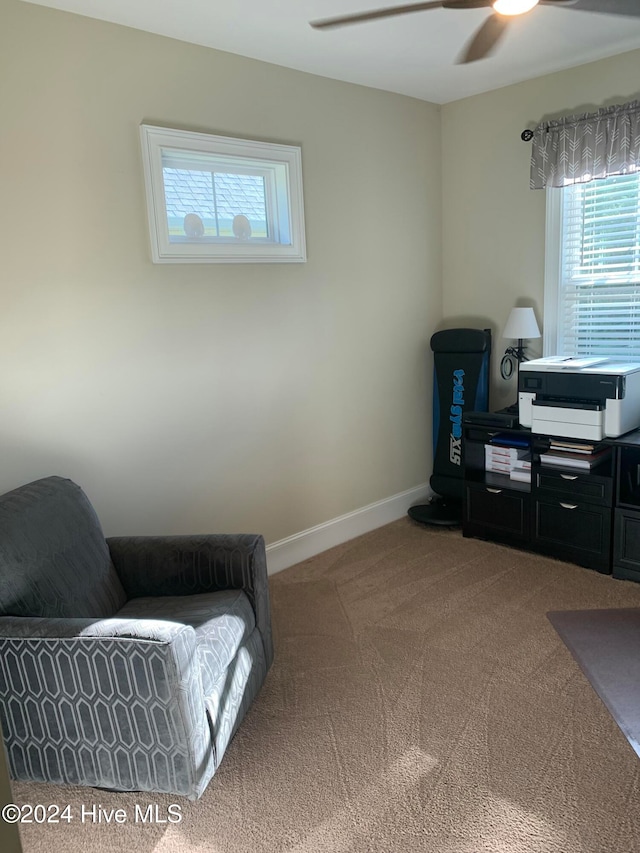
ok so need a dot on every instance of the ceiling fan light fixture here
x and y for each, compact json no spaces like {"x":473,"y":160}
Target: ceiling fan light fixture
{"x":514,"y":7}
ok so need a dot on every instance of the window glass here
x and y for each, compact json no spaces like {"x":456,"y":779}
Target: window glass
{"x":597,"y":293}
{"x":203,"y":204}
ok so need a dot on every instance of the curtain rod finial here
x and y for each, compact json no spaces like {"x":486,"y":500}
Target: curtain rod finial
{"x":526,"y":135}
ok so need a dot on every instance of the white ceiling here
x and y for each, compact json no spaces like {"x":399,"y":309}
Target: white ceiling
{"x":414,"y":54}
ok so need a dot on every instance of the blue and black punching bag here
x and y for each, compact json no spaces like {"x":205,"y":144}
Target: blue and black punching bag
{"x":460,"y":384}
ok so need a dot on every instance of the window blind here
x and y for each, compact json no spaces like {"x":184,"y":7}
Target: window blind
{"x":599,"y":293}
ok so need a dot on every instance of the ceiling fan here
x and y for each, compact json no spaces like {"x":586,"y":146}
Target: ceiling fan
{"x":487,"y":37}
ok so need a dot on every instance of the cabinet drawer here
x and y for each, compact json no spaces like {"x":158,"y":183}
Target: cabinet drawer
{"x":580,"y":532}
{"x":582,"y":487}
{"x":494,"y":511}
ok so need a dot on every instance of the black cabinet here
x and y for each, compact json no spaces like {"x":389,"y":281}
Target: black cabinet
{"x":626,"y":548}
{"x":574,"y":530}
{"x":626,"y":539}
{"x":496,"y":512}
{"x":628,"y":480}
{"x":589,"y":517}
{"x":566,"y":513}
{"x":573,"y":515}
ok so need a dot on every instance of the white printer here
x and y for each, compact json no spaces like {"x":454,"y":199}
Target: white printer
{"x":588,"y":398}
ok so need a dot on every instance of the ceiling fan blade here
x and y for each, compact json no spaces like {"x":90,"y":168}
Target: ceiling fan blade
{"x":485,"y":40}
{"x":388,"y":12}
{"x":466,"y":4}
{"x":631,"y":8}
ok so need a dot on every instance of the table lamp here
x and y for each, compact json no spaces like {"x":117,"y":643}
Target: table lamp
{"x":521,"y":325}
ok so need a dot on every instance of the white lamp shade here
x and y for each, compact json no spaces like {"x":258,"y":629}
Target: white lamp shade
{"x":521,"y":324}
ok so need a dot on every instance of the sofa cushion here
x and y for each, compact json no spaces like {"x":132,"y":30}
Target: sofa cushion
{"x":234,"y":691}
{"x":54,"y":561}
{"x":222,"y":622}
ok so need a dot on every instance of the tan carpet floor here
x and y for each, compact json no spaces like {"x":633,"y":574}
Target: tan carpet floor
{"x":420,"y":701}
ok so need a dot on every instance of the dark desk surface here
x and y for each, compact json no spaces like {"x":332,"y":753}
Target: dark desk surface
{"x":629,"y":439}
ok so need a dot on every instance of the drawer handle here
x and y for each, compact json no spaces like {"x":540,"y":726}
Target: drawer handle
{"x":569,"y":476}
{"x":569,"y":506}
{"x":494,"y":491}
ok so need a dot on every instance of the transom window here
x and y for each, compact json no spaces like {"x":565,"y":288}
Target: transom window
{"x":213,"y":198}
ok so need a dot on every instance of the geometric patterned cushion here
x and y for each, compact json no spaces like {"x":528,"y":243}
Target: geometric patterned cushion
{"x":54,"y":561}
{"x":222,"y":622}
{"x":151,"y":566}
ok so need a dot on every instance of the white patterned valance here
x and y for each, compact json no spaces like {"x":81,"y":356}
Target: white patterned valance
{"x":577,"y":149}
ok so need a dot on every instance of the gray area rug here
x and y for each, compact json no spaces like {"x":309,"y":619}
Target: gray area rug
{"x":606,"y":645}
{"x":420,"y":700}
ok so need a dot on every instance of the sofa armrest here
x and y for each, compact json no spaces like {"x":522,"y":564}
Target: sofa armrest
{"x":188,"y":565}
{"x":111,"y":703}
{"x":40,"y":628}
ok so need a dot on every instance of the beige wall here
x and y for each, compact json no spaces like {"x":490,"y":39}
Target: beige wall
{"x":209,"y":397}
{"x":493,"y":224}
{"x":248,"y":397}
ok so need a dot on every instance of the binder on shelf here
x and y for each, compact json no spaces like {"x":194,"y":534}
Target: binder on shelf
{"x":506,"y":439}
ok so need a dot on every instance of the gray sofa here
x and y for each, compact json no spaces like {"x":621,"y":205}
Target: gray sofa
{"x":126,"y":663}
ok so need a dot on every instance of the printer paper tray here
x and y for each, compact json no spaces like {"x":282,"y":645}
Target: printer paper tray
{"x":595,"y":432}
{"x":568,"y":421}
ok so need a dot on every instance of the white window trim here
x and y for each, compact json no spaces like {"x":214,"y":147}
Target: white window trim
{"x":284,"y":201}
{"x":552,"y":267}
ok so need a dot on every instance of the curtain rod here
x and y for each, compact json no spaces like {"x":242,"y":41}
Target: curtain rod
{"x":632,"y":107}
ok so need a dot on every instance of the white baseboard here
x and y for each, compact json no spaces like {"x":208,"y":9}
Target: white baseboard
{"x":294,"y":549}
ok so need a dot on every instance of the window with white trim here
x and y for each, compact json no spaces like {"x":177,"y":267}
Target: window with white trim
{"x":220,"y":199}
{"x":592,"y":279}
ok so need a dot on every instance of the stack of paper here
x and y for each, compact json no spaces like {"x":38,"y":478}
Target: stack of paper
{"x":504,"y":460}
{"x":575,"y":454}
{"x":521,"y":471}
